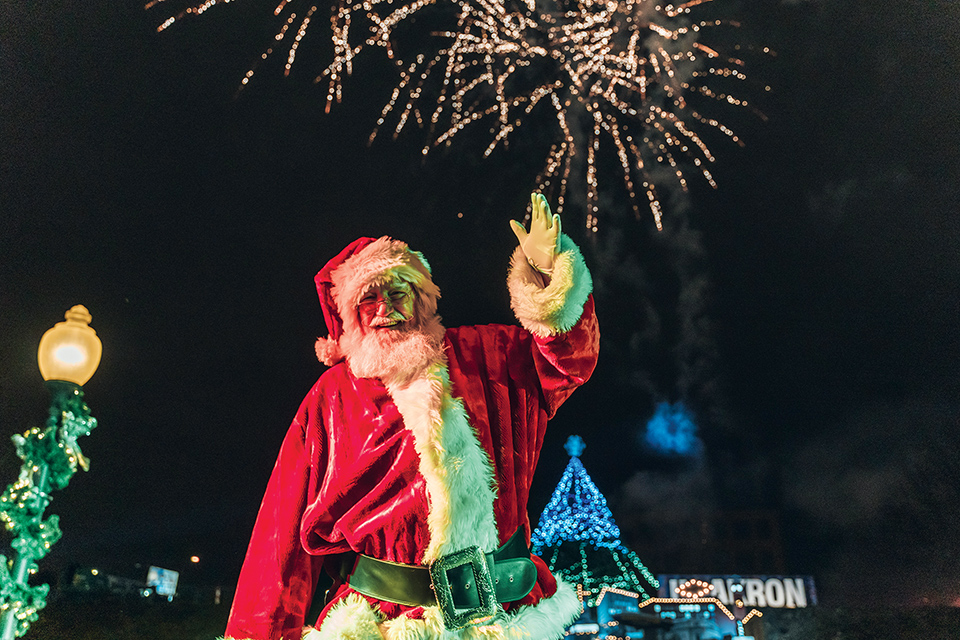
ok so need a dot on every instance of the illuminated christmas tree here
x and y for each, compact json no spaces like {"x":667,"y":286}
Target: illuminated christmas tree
{"x":579,"y":540}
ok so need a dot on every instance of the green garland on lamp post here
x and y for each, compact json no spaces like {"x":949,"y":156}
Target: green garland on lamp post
{"x":69,"y":354}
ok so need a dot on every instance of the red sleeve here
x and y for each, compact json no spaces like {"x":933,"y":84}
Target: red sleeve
{"x":510,"y":382}
{"x":565,"y":361}
{"x":278,"y":577}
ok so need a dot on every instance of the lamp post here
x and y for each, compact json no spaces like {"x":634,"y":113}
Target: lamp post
{"x":68,"y":355}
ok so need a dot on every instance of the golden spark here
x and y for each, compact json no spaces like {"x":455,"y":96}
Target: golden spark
{"x":613,"y":71}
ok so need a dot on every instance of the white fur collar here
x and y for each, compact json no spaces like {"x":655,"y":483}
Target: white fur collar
{"x":458,"y":474}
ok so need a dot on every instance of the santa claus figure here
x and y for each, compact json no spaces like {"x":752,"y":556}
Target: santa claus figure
{"x":406,"y":471}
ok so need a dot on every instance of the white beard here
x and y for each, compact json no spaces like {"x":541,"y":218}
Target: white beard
{"x":396,"y":356}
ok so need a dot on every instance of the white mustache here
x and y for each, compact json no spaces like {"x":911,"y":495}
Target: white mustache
{"x":388,"y":320}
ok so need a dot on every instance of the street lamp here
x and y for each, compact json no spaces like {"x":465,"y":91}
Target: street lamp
{"x":70,"y":351}
{"x":68,"y":356}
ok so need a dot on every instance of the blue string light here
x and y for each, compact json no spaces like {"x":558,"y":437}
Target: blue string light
{"x":576,"y":511}
{"x":577,"y":533}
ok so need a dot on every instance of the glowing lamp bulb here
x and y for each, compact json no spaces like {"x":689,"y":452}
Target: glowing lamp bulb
{"x":70,"y":354}
{"x":71,"y":350}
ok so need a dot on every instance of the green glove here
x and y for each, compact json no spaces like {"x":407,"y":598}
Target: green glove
{"x":542,"y":243}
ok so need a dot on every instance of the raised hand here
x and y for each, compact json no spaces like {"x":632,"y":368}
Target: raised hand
{"x":542,"y":243}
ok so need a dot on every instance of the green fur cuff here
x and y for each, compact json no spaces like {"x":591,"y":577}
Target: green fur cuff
{"x":547,"y":311}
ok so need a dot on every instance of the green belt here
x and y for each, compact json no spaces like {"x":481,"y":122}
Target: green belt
{"x":468,"y":585}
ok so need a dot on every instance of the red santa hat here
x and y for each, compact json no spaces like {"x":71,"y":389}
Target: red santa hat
{"x":364,"y":263}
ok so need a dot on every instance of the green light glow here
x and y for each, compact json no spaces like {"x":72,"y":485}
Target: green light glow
{"x":50,"y":458}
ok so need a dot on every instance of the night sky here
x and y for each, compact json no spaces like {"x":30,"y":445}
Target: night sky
{"x":807,"y":309}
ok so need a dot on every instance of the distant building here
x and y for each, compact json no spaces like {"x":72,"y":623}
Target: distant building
{"x":733,"y":541}
{"x":157,"y":584}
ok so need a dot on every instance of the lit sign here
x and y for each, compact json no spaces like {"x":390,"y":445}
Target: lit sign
{"x":164,"y":581}
{"x":775,"y":592}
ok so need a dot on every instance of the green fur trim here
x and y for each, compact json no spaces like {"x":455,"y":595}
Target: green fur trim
{"x":547,"y":311}
{"x":456,"y":470}
{"x":546,"y":620}
{"x":350,"y":619}
{"x":404,"y":628}
{"x":356,"y":619}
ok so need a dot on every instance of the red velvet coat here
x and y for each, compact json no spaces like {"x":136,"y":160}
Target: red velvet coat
{"x":348,"y":475}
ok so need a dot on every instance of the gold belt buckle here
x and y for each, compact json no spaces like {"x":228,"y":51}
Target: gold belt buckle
{"x":488,"y":606}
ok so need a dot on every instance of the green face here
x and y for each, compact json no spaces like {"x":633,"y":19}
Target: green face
{"x":387,"y":306}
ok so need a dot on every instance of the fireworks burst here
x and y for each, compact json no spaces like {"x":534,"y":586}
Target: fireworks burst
{"x":620,"y":71}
